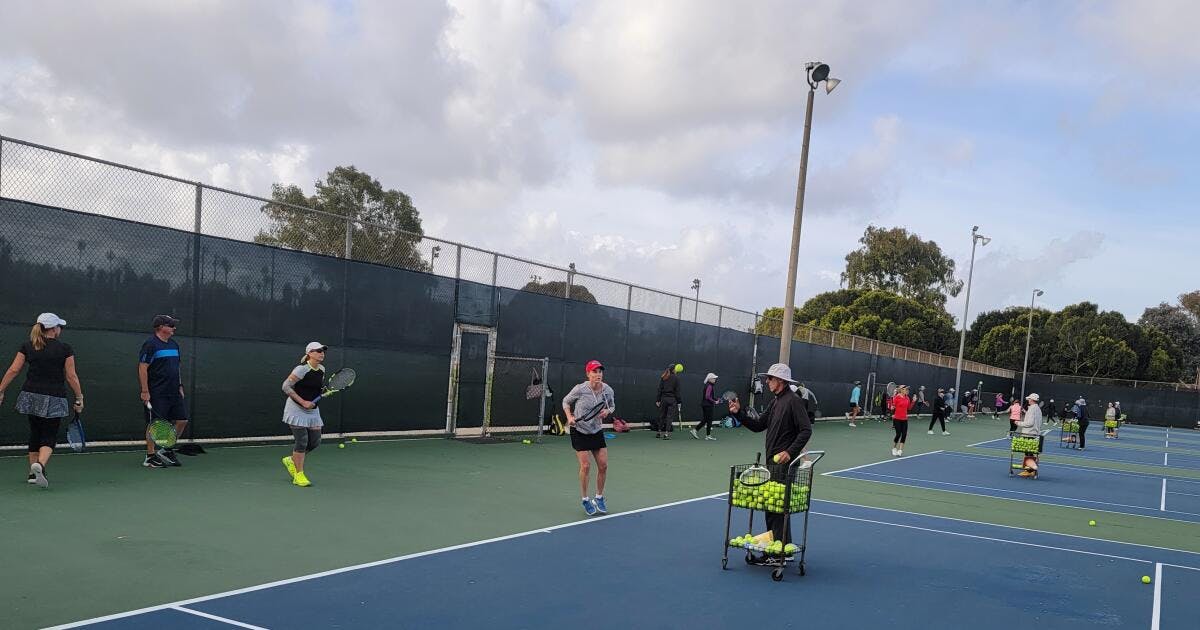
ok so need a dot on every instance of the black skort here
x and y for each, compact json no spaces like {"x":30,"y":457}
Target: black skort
{"x":587,"y":441}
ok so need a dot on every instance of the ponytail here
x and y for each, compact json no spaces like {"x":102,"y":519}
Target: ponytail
{"x":304,"y":359}
{"x":666,"y":373}
{"x":37,"y":337}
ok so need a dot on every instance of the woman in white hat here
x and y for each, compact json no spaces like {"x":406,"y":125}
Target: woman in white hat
{"x":43,"y":396}
{"x":1031,"y":425}
{"x":708,"y":399}
{"x":300,"y":413}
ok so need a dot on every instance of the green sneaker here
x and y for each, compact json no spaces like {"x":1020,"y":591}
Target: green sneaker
{"x":301,"y":480}
{"x":290,"y":466}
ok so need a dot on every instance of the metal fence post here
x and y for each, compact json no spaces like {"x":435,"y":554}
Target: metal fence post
{"x":629,"y":300}
{"x":197,"y":224}
{"x":495,"y":267}
{"x":458,"y":262}
{"x":720,"y":315}
{"x":680,"y":309}
{"x":349,"y":236}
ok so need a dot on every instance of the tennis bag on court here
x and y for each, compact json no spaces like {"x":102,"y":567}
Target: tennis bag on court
{"x":557,"y":427}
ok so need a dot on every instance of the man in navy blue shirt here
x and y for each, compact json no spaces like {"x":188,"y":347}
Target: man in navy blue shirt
{"x":162,"y":385}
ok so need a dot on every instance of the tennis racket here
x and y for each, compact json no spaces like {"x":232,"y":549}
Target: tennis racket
{"x":891,"y":390}
{"x":755,"y":475}
{"x":160,"y":431}
{"x":593,"y":413}
{"x":338,"y":381}
{"x":75,"y":435}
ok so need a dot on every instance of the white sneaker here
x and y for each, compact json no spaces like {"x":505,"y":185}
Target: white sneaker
{"x":710,"y":438}
{"x":38,"y":477}
{"x":930,"y":432}
{"x":694,"y":436}
{"x":853,"y":425}
{"x":895,"y":452}
{"x":945,"y":433}
{"x":899,"y":453}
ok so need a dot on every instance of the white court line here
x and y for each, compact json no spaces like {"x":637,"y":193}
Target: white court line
{"x":367,"y":565}
{"x":978,"y":537}
{"x":986,"y":442}
{"x":1162,"y":503}
{"x":1180,"y":566}
{"x":894,"y":459}
{"x":1164,"y":459}
{"x":1089,"y":469}
{"x":1023,"y":529}
{"x":1030,"y":494}
{"x":231,"y":622}
{"x":1154,"y":616}
{"x":1061,"y":505}
{"x":1183,"y":494}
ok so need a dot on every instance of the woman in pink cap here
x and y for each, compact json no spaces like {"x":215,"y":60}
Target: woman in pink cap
{"x":586,"y":407}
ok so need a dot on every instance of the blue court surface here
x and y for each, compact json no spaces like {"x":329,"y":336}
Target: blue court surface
{"x":1096,"y":489}
{"x":1175,"y":453}
{"x":867,"y":568}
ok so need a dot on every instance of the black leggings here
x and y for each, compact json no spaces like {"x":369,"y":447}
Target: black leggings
{"x":666,"y":416}
{"x":1083,"y":425}
{"x":707,"y":421}
{"x":901,"y":427}
{"x":938,"y":416}
{"x":307,"y":440}
{"x":43,"y":432}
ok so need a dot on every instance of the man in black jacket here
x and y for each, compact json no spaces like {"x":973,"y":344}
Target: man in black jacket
{"x":788,"y":431}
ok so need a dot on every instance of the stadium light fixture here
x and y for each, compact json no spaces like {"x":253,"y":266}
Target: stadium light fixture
{"x":976,"y":239}
{"x":815,"y":73}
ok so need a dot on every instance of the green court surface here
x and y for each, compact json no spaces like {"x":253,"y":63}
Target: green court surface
{"x":110,"y":536}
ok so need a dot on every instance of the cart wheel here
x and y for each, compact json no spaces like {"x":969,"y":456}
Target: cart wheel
{"x":749,"y":559}
{"x":777,"y":574}
{"x":724,"y":563}
{"x":802,"y":570}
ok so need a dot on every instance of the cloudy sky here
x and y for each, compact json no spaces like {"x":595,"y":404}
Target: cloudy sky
{"x":659,"y":141}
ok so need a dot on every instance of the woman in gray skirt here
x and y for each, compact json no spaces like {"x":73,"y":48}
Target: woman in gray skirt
{"x":300,"y":413}
{"x":44,"y":395}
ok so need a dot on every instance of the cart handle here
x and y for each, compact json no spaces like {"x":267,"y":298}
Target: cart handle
{"x":819,"y":455}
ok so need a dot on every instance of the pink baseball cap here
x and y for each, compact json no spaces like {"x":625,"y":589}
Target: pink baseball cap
{"x":593,"y":365}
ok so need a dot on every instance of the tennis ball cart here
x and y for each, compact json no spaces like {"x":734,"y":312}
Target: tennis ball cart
{"x":1022,"y":448}
{"x":1068,"y":433}
{"x":1112,"y":428}
{"x":782,"y":489}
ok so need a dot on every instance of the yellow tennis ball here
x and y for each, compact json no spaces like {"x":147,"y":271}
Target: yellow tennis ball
{"x":1092,"y":523}
{"x":341,"y":446}
{"x":353,"y":439}
{"x":776,"y":458}
{"x":1145,"y":579}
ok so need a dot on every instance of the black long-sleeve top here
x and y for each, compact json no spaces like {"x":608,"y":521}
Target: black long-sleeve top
{"x":786,"y":423}
{"x":669,"y":388}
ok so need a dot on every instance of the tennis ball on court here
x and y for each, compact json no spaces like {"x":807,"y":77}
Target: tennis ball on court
{"x":1092,"y":523}
{"x":341,"y":446}
{"x":1145,"y":579}
{"x":353,"y":439}
{"x":526,"y":442}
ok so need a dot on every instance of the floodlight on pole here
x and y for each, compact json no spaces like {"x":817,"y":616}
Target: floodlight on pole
{"x":816,"y":72}
{"x":976,"y":238}
{"x":1028,"y":333}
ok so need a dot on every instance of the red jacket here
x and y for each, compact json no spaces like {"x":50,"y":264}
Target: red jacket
{"x":901,"y":404}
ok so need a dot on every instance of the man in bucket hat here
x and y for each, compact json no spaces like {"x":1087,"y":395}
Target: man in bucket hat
{"x":788,"y":429}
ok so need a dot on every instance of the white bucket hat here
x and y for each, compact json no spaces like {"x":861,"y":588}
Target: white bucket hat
{"x":710,"y":378}
{"x":780,"y":371}
{"x":50,"y":320}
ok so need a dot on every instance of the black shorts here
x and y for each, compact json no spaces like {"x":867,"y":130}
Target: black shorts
{"x":587,"y":441}
{"x":168,"y":406}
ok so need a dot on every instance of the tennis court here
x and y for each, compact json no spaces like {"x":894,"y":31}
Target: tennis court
{"x":1154,"y":447}
{"x":444,"y":533}
{"x":545,"y":578}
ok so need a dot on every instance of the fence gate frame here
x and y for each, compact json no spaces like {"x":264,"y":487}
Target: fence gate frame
{"x":455,"y":361}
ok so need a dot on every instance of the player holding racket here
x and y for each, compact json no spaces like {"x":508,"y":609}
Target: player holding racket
{"x":43,"y":396}
{"x":300,"y":413}
{"x":708,"y":399}
{"x":586,"y":407}
{"x":788,"y":430}
{"x":162,"y":386}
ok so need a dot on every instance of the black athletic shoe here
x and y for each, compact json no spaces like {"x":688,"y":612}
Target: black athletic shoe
{"x":152,"y":461}
{"x":169,"y":456}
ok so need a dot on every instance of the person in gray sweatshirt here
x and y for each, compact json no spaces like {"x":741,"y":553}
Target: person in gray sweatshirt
{"x":586,"y":407}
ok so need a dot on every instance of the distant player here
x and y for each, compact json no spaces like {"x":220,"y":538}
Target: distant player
{"x":855,"y":408}
{"x":162,"y":386}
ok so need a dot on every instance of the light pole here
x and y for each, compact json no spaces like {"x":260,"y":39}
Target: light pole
{"x":696,"y":288}
{"x":1028,"y":333}
{"x":976,"y":238}
{"x":816,"y":72}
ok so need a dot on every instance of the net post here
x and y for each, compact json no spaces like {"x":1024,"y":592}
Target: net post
{"x":541,"y":423}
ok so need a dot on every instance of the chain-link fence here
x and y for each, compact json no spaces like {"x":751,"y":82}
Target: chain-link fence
{"x":51,"y":177}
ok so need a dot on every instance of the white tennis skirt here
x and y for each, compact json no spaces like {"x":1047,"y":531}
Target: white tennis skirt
{"x":298,"y":416}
